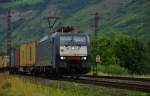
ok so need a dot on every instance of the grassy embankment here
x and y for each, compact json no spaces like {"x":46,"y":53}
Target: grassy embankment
{"x":14,"y":86}
{"x":116,"y":70}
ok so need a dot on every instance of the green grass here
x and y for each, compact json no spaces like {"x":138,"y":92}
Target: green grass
{"x":14,"y":86}
{"x":116,"y":70}
{"x":112,"y":70}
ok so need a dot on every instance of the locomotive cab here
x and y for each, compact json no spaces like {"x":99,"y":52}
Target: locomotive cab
{"x":73,"y":53}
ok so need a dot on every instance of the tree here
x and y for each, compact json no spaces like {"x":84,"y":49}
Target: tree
{"x":133,"y":54}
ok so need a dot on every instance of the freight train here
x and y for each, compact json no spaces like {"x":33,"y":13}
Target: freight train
{"x":60,"y":53}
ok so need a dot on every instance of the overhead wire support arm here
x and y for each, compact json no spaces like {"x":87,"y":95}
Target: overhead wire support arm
{"x":51,"y":26}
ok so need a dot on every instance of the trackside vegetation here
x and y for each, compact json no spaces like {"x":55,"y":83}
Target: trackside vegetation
{"x":122,"y":54}
{"x":16,"y":86}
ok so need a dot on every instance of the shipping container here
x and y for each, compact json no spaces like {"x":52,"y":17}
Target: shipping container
{"x":12,"y":61}
{"x":17,"y":57}
{"x":33,"y":53}
{"x":6,"y":61}
{"x":28,"y":54}
{"x":23,"y":55}
{"x":1,"y":62}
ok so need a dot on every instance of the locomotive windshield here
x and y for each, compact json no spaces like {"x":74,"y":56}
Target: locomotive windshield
{"x":79,"y":39}
{"x":72,"y":40}
{"x":65,"y":39}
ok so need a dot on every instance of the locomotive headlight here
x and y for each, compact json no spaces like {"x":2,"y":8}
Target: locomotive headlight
{"x":73,"y":48}
{"x":62,"y":58}
{"x":84,"y":58}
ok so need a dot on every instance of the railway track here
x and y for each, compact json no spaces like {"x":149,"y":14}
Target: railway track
{"x":137,"y":84}
{"x":121,"y":78}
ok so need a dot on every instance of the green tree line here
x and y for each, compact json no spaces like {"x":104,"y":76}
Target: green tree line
{"x":130,"y":53}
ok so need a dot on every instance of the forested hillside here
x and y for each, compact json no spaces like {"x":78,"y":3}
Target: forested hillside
{"x":28,"y":17}
{"x":127,"y":16}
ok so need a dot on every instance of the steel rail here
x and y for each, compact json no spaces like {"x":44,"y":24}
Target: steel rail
{"x":120,"y":78}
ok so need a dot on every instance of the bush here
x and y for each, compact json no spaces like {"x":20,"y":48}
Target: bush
{"x":131,"y":53}
{"x":113,"y":70}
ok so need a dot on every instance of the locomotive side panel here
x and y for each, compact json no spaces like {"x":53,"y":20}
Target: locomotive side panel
{"x":44,"y":53}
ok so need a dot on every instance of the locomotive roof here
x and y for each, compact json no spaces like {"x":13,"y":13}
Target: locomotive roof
{"x":58,"y":33}
{"x":73,"y":33}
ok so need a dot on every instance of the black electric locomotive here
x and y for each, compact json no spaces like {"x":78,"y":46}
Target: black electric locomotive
{"x":63,"y":53}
